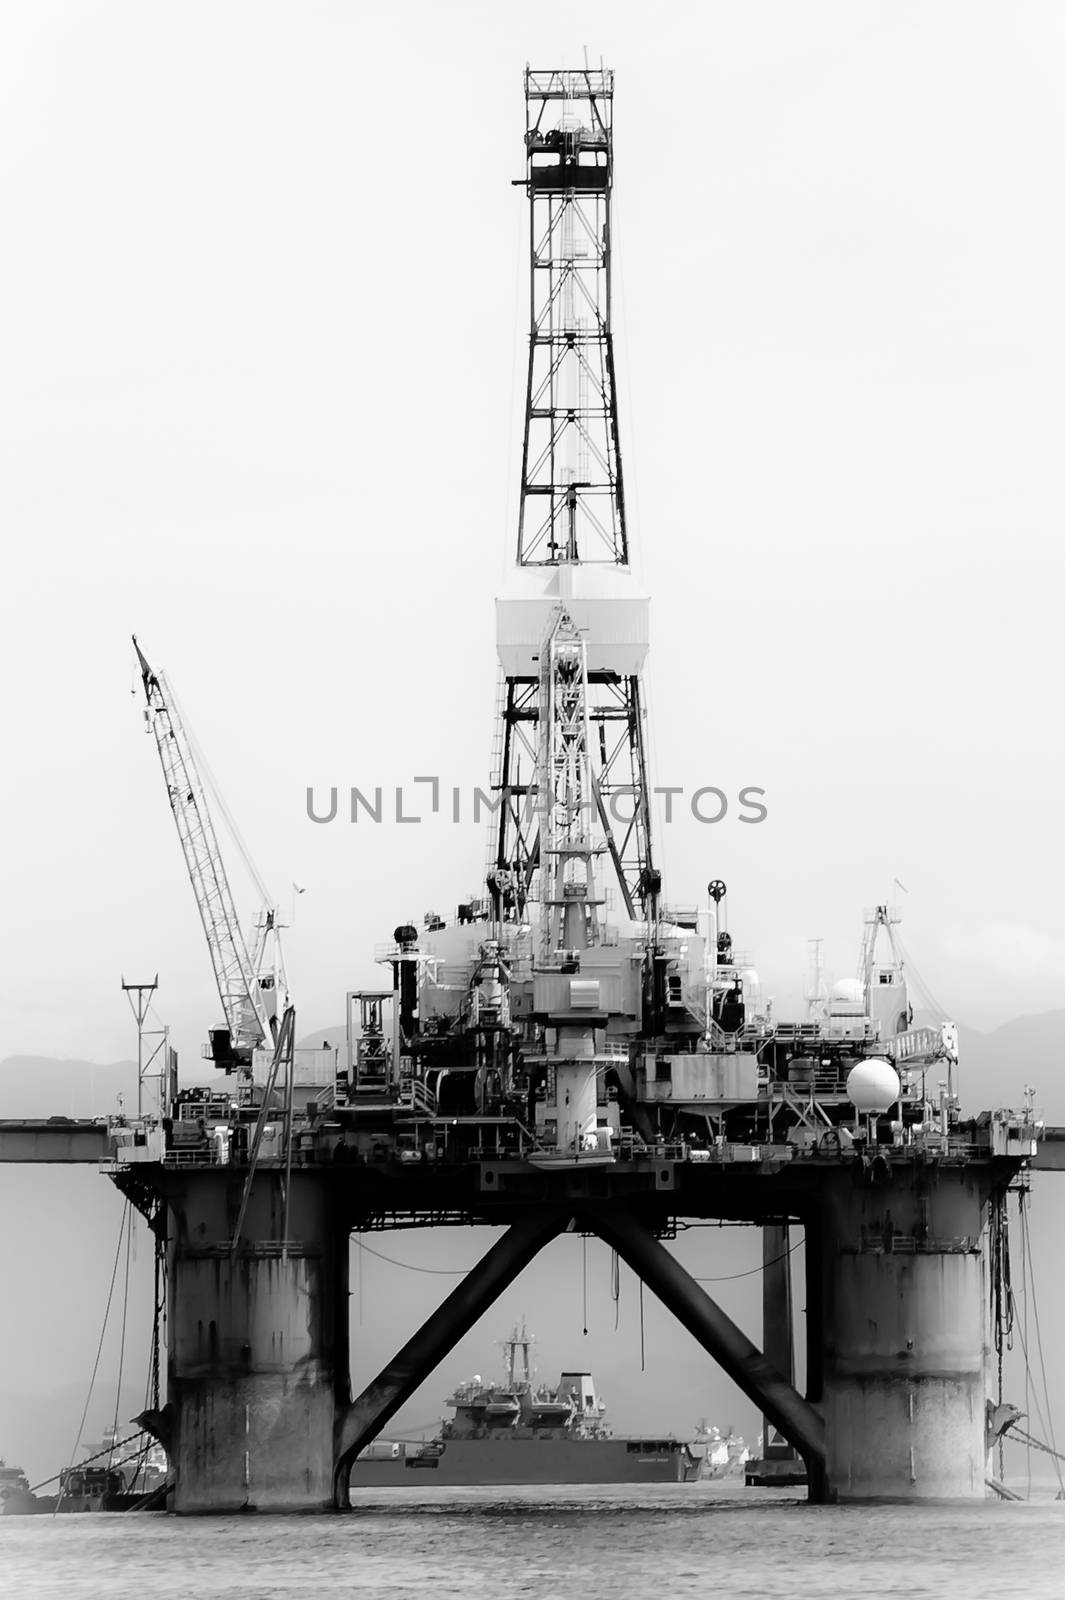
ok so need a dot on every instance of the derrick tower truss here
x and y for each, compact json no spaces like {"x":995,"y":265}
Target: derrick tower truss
{"x":572,"y":553}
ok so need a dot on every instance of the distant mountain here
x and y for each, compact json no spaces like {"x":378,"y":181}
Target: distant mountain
{"x":994,"y":1070}
{"x":36,"y":1086}
{"x":336,"y":1036}
{"x":994,"y":1067}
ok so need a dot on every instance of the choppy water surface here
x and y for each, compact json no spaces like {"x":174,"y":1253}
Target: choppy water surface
{"x":547,"y":1542}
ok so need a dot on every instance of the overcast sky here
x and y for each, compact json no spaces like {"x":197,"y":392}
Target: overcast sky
{"x":263,"y":293}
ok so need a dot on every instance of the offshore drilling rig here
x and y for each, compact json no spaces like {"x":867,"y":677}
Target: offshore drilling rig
{"x":569,"y":1051}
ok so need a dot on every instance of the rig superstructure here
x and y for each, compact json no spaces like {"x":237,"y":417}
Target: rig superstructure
{"x":570,"y":1050}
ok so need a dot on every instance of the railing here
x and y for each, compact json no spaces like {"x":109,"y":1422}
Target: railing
{"x":205,"y":1156}
{"x":515,"y":1141}
{"x":874,"y":1241}
{"x":414,"y":1096}
{"x":611,"y":1050}
{"x":917,"y":1042}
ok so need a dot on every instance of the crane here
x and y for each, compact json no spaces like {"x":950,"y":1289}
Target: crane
{"x":252,"y":987}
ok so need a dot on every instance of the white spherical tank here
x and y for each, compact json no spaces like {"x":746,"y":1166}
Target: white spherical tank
{"x":851,"y":991}
{"x":873,"y":1085}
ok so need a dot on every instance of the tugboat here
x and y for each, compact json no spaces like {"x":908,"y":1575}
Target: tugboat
{"x":521,"y":1432}
{"x":103,"y":1481}
{"x":107,"y":1480}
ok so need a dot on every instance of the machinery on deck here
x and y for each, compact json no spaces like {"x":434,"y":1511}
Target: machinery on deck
{"x":569,"y":1015}
{"x":252,"y":983}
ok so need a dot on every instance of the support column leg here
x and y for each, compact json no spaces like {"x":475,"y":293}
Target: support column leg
{"x":903,"y":1299}
{"x":464,"y":1306}
{"x":258,"y":1350}
{"x":729,"y":1346}
{"x":778,"y":1464}
{"x":778,"y":1323}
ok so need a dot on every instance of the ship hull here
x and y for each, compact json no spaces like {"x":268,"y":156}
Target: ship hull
{"x":509,"y":1460}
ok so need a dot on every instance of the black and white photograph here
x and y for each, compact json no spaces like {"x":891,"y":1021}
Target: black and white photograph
{"x":532,"y":966}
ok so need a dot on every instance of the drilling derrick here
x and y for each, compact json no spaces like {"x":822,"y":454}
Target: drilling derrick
{"x":538,"y":1019}
{"x":573,"y":546}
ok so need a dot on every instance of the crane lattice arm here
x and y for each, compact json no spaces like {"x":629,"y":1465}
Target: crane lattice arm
{"x":235,"y":974}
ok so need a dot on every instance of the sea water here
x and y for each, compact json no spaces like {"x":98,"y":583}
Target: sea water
{"x":566,"y":1542}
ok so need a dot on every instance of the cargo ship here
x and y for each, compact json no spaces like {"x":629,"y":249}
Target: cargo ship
{"x":519,"y":1432}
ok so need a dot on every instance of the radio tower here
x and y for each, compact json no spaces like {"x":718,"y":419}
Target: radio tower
{"x":572,"y":578}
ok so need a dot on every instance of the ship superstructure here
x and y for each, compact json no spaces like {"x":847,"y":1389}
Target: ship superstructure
{"x":521,"y":1431}
{"x":571,"y":1407}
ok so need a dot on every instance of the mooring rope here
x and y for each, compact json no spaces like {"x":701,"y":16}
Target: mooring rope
{"x":96,"y":1364}
{"x":1036,"y":1444}
{"x":438,"y":1272}
{"x":77,"y":1466}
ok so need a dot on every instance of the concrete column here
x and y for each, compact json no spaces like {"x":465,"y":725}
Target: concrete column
{"x":257,"y":1343}
{"x":904,"y":1338}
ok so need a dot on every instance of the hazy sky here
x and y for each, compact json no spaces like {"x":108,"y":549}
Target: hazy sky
{"x":263,"y":291}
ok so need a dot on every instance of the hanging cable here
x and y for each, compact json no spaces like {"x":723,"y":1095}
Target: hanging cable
{"x":1030,"y":1397}
{"x":584,"y":1279}
{"x":1024,"y":1341}
{"x":730,"y":1277}
{"x":99,"y":1346}
{"x":1039,"y":1347}
{"x":615,"y":1286}
{"x":1001,"y":1282}
{"x":908,"y":962}
{"x":210,"y":784}
{"x":151,"y":1381}
{"x":643,"y":1348}
{"x":1001,"y":1298}
{"x":158,"y":1318}
{"x":439,"y":1272}
{"x":122,"y":1336}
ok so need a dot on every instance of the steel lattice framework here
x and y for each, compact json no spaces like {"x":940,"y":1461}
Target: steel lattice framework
{"x":569,"y":828}
{"x":572,"y":496}
{"x":238,"y":987}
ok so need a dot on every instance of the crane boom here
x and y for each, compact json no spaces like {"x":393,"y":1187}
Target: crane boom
{"x":235,"y":974}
